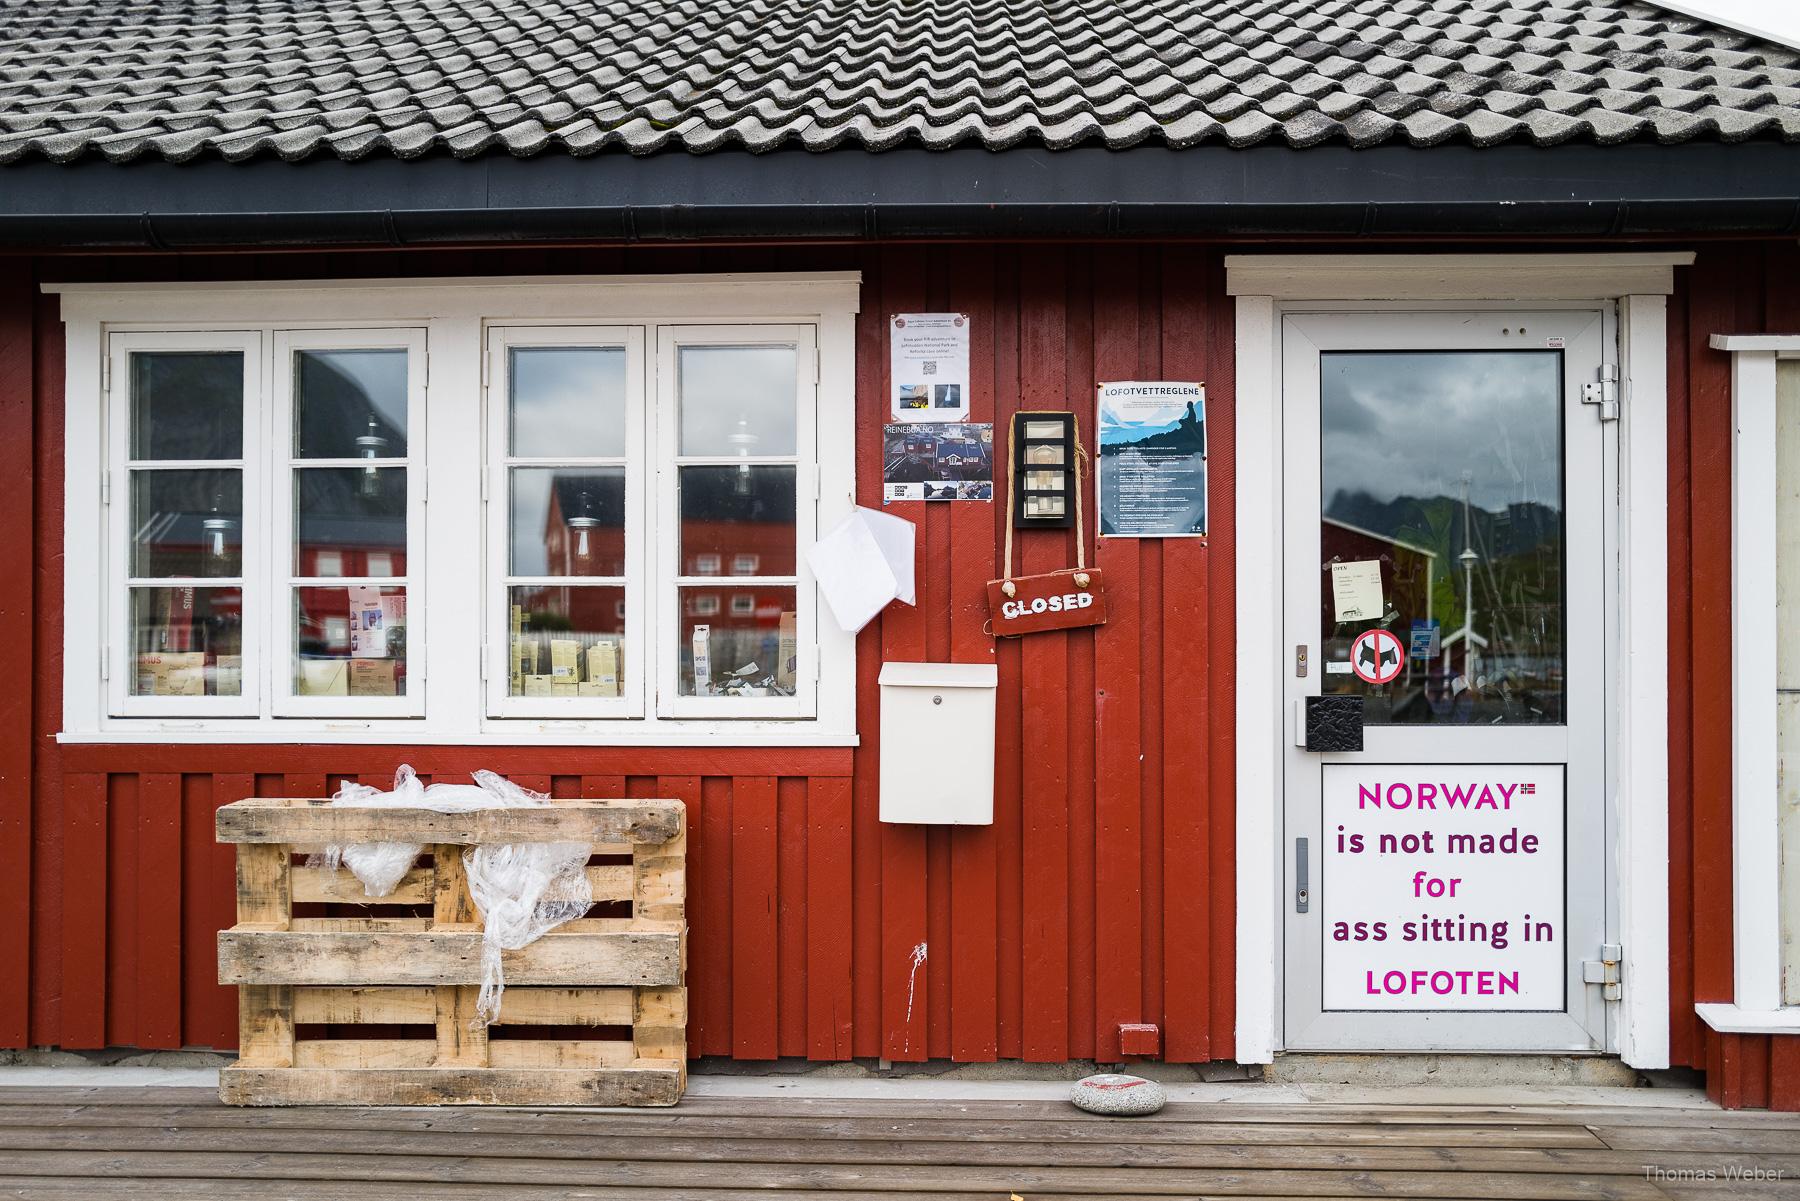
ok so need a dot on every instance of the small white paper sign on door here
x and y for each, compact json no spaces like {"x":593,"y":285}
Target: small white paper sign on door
{"x":863,"y":564}
{"x":1356,"y":590}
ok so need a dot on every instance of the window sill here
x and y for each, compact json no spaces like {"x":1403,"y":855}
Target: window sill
{"x":699,"y":734}
{"x":1726,"y":1018}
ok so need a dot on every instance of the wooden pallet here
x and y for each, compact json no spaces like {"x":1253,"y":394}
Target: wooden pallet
{"x":395,"y":966}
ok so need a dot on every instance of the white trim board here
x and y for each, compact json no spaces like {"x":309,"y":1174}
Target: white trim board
{"x":1782,"y":345}
{"x":1263,"y":286}
{"x":1756,"y":900}
{"x":1730,"y":1019}
{"x":1453,"y":276}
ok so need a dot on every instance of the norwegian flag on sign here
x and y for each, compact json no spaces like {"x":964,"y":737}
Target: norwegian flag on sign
{"x":1528,"y":789}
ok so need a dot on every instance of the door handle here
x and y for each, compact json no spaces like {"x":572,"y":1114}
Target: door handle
{"x":1301,"y":893}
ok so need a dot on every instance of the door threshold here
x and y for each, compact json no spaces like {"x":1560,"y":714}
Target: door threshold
{"x":1457,"y":1069}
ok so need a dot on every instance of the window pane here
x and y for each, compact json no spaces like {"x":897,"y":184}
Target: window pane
{"x":732,"y":515}
{"x":731,"y":646}
{"x":567,"y":640}
{"x":187,"y":523}
{"x":568,"y":402}
{"x":350,"y":404}
{"x":349,"y":521}
{"x":737,"y":400}
{"x":187,"y":641}
{"x":568,"y":521}
{"x":1442,"y":487}
{"x":350,"y":641}
{"x":187,"y":405}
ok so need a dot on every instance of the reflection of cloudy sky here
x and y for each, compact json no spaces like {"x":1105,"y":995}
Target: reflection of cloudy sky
{"x":1411,"y":423}
{"x":722,"y":385}
{"x":568,"y":401}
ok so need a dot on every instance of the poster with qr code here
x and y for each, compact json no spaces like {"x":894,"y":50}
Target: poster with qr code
{"x":928,"y":360}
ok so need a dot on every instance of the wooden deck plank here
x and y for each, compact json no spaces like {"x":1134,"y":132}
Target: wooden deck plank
{"x":192,"y":1189}
{"x":684,"y":1147}
{"x":1077,"y":1129}
{"x":157,"y":1142}
{"x":609,"y":1173}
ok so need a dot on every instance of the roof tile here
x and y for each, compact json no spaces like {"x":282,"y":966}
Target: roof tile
{"x":181,"y":79}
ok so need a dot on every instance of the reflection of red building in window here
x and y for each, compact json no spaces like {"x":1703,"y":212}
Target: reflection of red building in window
{"x":729,"y":517}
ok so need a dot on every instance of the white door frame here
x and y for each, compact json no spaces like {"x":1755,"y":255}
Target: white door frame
{"x":1638,"y":808}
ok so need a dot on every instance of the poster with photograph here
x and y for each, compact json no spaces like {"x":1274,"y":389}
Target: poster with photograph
{"x":940,"y":462}
{"x":368,"y":628}
{"x":928,"y":359}
{"x":1152,"y":473}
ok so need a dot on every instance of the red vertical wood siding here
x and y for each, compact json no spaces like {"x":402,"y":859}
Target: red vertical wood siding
{"x":1730,"y":290}
{"x":1098,"y":896}
{"x":1103,"y":891}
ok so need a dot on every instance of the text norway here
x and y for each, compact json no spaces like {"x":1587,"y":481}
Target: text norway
{"x":1046,"y":604}
{"x":1426,"y":795}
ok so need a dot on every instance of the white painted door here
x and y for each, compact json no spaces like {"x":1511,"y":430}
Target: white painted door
{"x":1447,"y":512}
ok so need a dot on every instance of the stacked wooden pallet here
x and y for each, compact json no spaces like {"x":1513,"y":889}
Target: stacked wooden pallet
{"x":414,"y":959}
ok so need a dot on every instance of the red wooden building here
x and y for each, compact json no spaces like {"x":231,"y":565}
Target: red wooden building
{"x":309,"y":332}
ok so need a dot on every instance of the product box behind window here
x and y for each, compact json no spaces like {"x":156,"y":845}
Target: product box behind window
{"x":228,"y":675}
{"x":565,"y":660}
{"x":324,"y":677}
{"x":787,"y":653}
{"x":172,"y":673}
{"x":372,"y":677}
{"x":603,"y":669}
{"x":703,"y":660}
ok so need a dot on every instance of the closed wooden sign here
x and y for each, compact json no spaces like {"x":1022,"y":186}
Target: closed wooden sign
{"x":1060,"y":600}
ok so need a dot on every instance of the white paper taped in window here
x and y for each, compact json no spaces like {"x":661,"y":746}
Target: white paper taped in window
{"x":863,"y":564}
{"x":522,"y":890}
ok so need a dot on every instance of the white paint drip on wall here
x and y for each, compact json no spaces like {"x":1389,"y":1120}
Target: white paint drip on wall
{"x":918,"y":958}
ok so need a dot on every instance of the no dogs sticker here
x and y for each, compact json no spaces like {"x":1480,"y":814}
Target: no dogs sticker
{"x":1376,"y":656}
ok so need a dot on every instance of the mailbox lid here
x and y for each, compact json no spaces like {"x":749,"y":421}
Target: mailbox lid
{"x":940,"y":675}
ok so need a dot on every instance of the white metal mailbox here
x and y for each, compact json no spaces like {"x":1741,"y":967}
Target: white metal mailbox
{"x":937,"y":743}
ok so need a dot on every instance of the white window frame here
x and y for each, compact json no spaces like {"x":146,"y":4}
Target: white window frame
{"x":1757,"y":956}
{"x":671,"y":340}
{"x":119,"y":657}
{"x":456,"y":313}
{"x":497,"y":490}
{"x":287,"y":702}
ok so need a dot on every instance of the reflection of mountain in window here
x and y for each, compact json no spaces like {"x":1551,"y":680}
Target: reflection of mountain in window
{"x":1446,"y":467}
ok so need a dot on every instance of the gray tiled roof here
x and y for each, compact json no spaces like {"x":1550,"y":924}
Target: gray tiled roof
{"x":180,"y":79}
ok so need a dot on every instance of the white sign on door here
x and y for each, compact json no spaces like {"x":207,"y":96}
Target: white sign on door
{"x":1442,"y":887}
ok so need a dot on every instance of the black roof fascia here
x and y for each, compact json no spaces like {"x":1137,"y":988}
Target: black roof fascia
{"x":1643,"y":190}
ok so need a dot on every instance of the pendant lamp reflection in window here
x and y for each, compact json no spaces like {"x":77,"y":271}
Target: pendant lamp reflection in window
{"x":216,"y":530}
{"x":744,"y":440}
{"x":582,"y":521}
{"x":369,"y":446}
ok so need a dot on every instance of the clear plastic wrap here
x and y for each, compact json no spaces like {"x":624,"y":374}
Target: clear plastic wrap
{"x":522,"y":890}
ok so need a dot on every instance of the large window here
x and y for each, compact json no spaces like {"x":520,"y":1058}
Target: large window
{"x":565,"y":514}
{"x":348,"y":406}
{"x":549,"y":513}
{"x":614,"y":467}
{"x":178,"y":507}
